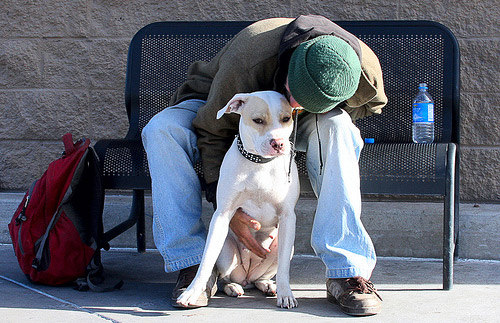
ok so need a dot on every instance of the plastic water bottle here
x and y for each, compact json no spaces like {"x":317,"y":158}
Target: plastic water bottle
{"x":423,"y":116}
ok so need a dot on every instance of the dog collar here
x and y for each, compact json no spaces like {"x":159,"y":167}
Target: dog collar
{"x":251,"y":157}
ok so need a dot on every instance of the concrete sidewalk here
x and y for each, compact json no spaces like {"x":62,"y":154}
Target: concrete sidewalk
{"x":411,"y":289}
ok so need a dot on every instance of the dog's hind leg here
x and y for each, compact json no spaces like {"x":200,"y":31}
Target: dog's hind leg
{"x":230,"y":270}
{"x":267,"y":286}
{"x":231,"y":288}
{"x":262,"y":275}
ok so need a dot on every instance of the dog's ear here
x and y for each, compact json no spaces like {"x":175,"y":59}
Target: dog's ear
{"x":234,"y":105}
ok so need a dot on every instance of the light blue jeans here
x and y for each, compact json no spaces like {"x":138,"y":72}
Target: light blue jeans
{"x":338,"y":236}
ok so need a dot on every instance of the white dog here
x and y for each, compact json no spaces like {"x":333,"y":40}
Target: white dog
{"x":254,"y":176}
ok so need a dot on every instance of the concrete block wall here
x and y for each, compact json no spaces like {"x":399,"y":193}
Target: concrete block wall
{"x":399,"y":229}
{"x":62,"y":69}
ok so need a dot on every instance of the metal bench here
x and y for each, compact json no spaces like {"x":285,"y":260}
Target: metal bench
{"x":409,"y":51}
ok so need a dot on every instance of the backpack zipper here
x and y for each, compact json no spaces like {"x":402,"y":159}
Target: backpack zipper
{"x":21,"y":218}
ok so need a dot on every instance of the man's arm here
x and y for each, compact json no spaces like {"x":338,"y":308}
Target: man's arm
{"x":241,"y":223}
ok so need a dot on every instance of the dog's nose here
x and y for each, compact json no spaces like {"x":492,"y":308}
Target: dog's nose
{"x":277,"y":144}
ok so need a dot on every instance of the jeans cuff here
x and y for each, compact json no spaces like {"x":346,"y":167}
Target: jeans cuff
{"x":172,"y":266}
{"x":344,"y":273}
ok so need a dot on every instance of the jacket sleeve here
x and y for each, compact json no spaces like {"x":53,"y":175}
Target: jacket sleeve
{"x":370,"y":97}
{"x":216,"y":135}
{"x":246,"y":64}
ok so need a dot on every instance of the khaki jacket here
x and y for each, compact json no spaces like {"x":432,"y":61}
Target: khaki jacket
{"x":249,"y":63}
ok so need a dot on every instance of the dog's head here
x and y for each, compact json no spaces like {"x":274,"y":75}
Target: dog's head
{"x":265,"y":124}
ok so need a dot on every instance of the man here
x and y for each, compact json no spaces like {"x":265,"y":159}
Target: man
{"x":320,"y":67}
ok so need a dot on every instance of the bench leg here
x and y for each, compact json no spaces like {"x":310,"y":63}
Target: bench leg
{"x":138,"y":207}
{"x":449,"y":221}
{"x":136,"y":217}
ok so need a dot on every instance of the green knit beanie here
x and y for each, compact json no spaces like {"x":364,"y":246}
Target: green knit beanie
{"x":323,"y":72}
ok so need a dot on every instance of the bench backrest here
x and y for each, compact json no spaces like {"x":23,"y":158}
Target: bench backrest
{"x":161,"y":54}
{"x":410,"y":52}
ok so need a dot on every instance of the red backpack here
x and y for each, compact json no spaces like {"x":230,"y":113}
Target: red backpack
{"x":57,"y":230}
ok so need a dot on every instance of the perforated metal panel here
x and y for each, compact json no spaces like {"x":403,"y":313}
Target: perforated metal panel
{"x":164,"y":63}
{"x":158,"y":62}
{"x":300,"y":160}
{"x":396,"y":168}
{"x":395,"y":165}
{"x":406,"y":61}
{"x":161,"y":53}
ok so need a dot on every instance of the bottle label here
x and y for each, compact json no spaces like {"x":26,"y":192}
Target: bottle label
{"x":423,"y":112}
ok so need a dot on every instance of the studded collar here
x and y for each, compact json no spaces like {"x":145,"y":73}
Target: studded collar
{"x":251,"y":157}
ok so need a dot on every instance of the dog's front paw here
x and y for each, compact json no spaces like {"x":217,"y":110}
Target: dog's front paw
{"x":285,"y":297}
{"x":189,"y":297}
{"x":286,"y":300}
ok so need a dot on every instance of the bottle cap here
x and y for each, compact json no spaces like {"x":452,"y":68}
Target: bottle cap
{"x":369,"y":140}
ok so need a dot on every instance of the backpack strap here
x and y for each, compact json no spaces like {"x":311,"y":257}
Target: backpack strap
{"x":70,"y":146}
{"x":41,"y":261}
{"x":97,"y":196}
{"x":95,"y":279}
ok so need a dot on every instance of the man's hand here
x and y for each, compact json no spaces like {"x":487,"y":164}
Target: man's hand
{"x":210,"y":193}
{"x":241,"y":223}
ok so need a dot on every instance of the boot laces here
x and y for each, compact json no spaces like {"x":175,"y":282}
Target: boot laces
{"x":362,"y":285}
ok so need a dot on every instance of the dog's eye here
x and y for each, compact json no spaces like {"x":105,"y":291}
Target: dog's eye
{"x":285,"y":119}
{"x":258,"y":121}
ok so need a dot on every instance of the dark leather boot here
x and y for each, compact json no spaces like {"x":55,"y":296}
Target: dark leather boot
{"x":355,"y":296}
{"x":185,"y":278}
